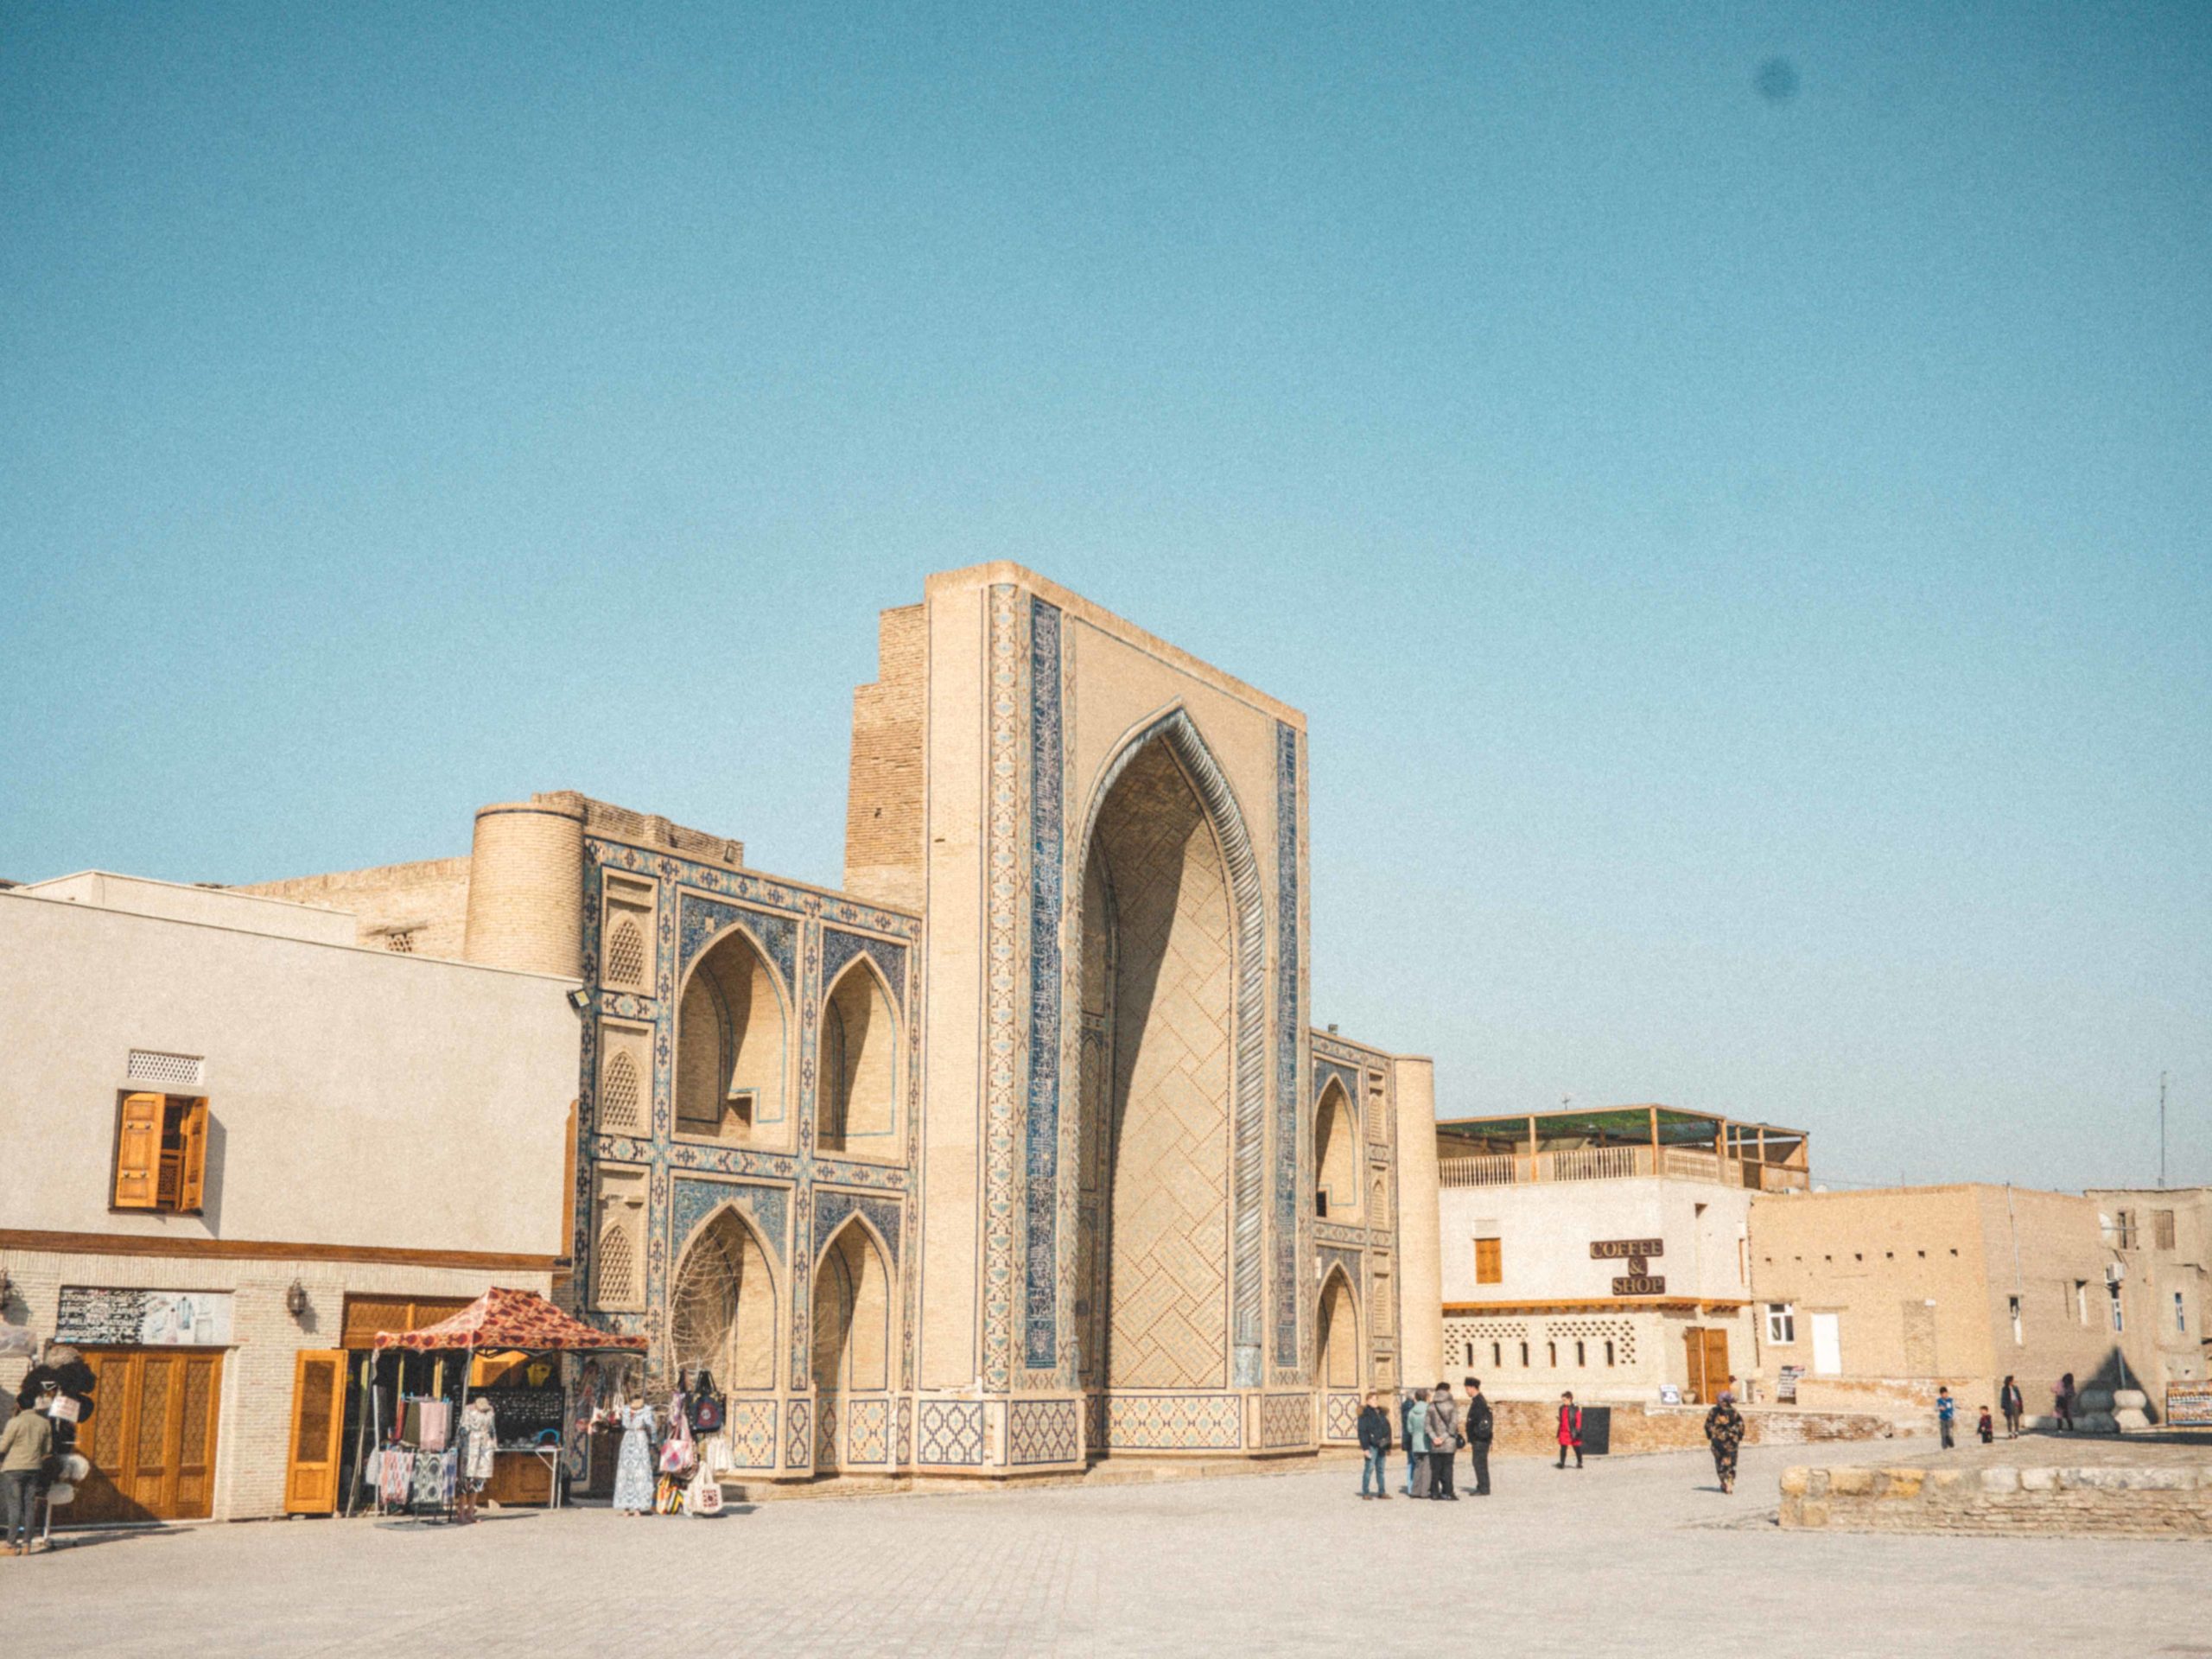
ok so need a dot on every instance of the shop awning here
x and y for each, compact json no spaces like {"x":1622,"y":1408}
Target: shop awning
{"x":511,"y":1318}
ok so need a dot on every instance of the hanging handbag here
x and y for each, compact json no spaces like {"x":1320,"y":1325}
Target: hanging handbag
{"x":676,"y":1455}
{"x":704,"y":1494}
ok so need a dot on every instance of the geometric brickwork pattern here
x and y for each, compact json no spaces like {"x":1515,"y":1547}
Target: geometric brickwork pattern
{"x":1007,"y":855}
{"x":751,"y":1430}
{"x":949,"y":1431}
{"x":1285,"y":1420}
{"x":1341,"y":1417}
{"x":1042,"y":1431}
{"x":1170,"y":1199}
{"x":868,"y":1431}
{"x":799,"y":1442}
{"x":1205,"y":1422}
{"x":1292,"y":1219}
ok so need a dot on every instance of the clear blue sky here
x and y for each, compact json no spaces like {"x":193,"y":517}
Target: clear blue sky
{"x":1729,"y":485}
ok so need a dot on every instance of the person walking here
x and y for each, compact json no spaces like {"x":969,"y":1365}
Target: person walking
{"x":1417,"y":1443}
{"x":1475,"y":1423}
{"x":24,"y":1445}
{"x":1947,"y":1416}
{"x":2009,"y":1401}
{"x":1570,"y":1429}
{"x":1443,"y":1441}
{"x":1724,"y":1431}
{"x":2063,"y":1400}
{"x":1375,"y":1448}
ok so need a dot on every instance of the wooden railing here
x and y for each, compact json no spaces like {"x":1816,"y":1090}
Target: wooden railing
{"x":1617,"y":1163}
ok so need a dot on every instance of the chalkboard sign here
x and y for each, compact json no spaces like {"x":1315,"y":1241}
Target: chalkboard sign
{"x":523,"y":1414}
{"x":1597,"y":1430}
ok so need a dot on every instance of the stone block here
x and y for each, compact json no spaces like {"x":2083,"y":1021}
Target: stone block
{"x":1852,"y":1482}
{"x":1903,"y":1483}
{"x":1816,"y":1483}
{"x":1793,"y":1482}
{"x":2038,"y":1480}
{"x":1943,"y":1480}
{"x":1999,"y":1481}
{"x":1812,"y":1512}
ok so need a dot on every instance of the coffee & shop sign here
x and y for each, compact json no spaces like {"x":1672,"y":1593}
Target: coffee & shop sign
{"x":1639,"y":1280}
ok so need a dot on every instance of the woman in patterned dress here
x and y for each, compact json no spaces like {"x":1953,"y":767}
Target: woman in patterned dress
{"x":1723,"y":1428}
{"x":634,"y":1467}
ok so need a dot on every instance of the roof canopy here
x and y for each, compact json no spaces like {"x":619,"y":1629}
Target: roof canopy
{"x":511,"y":1318}
{"x":1667,"y":1126}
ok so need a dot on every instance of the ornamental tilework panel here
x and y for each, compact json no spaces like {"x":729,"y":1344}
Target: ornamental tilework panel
{"x":1340,"y":1417}
{"x":799,"y":1444}
{"x":1186,"y":1422}
{"x":1004,"y":971}
{"x":868,"y":1430}
{"x":707,"y":919}
{"x":1288,"y":1022}
{"x":751,"y":1428}
{"x":1332,"y":1257}
{"x":1043,"y":1431}
{"x":766,"y":1207}
{"x":1324,"y":1071}
{"x":831,"y":1207}
{"x":1047,"y":842}
{"x":902,"y":1447}
{"x":839,"y":947}
{"x":1285,"y":1420}
{"x":951,"y":1433}
{"x":698,"y":901}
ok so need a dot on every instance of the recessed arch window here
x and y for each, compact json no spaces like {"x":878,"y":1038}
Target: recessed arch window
{"x":729,"y":1037}
{"x":858,"y":1107}
{"x":1336,"y":1152}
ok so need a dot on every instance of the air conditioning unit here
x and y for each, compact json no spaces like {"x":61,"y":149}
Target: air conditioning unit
{"x":2113,"y":1275}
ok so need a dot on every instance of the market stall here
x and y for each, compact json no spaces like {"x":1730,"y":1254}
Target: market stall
{"x":439,"y":1444}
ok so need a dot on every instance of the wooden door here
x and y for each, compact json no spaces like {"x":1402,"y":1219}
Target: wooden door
{"x":1716,"y":1360}
{"x":318,"y":1417}
{"x":1693,"y":1354}
{"x":151,"y":1436}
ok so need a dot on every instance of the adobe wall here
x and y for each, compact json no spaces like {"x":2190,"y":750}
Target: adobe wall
{"x":1529,"y":1427}
{"x":2153,"y":1500}
{"x":420,"y":909}
{"x":884,"y":800}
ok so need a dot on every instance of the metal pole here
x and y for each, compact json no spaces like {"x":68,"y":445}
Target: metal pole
{"x":2161,"y":1131}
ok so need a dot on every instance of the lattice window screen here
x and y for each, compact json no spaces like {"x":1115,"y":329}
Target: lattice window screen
{"x":151,"y":1065}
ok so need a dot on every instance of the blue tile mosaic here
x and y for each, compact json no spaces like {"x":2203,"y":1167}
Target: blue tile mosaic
{"x":839,"y":947}
{"x":1047,"y":838}
{"x":692,"y":1202}
{"x":1288,"y":1018}
{"x":707,"y":919}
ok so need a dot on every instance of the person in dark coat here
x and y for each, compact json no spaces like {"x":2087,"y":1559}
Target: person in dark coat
{"x":2010,"y":1401}
{"x":1406,"y":1403}
{"x":1475,"y":1423}
{"x":1570,"y":1430}
{"x":1724,"y":1431}
{"x":65,"y":1368}
{"x":1375,"y":1448}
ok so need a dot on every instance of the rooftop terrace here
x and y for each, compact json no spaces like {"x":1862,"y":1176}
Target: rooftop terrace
{"x":1620,"y":1143}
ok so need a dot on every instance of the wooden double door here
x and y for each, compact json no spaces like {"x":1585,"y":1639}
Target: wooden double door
{"x":151,"y":1436}
{"x":1707,"y":1350}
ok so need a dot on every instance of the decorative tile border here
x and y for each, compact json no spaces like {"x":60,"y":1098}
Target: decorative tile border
{"x":799,"y":1443}
{"x":751,"y":1430}
{"x":1340,"y":1417}
{"x":832,"y":1207}
{"x":690,"y":1202}
{"x":1043,"y":1431}
{"x":1288,"y":1023}
{"x":1285,"y":1420}
{"x":704,"y":921}
{"x":1004,"y":970}
{"x":839,"y":948}
{"x":1046,"y":838}
{"x":868,"y":1429}
{"x":1174,"y":1423}
{"x":950,"y":1433}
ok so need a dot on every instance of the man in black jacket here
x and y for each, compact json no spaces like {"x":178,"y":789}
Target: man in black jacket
{"x":1375,"y":1448}
{"x":1475,"y":1424}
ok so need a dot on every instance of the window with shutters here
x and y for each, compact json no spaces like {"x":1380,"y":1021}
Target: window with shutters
{"x":161,"y":1153}
{"x":1490,"y":1268}
{"x":2162,"y":1229}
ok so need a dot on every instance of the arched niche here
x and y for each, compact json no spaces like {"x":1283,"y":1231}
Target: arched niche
{"x":730,"y":1045}
{"x":1337,"y":1332}
{"x":857,"y":1094}
{"x":722,"y":1309}
{"x":852,"y":1313}
{"x":1336,"y":1155}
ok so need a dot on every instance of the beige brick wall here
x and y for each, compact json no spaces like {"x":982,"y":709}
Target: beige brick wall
{"x":421,"y":908}
{"x":526,"y":890}
{"x":883,"y":810}
{"x":254,"y":1415}
{"x":2172,"y":1501}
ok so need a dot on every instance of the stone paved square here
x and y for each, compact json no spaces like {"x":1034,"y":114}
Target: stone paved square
{"x":1634,"y":1556}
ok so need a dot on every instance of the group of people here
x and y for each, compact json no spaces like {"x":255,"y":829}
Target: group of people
{"x":1433,"y":1425}
{"x":2012,"y":1404}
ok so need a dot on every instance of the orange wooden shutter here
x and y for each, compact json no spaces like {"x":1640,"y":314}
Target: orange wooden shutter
{"x":318,"y":1417}
{"x":193,"y":1184}
{"x":139,"y":1153}
{"x":1489,"y":1266}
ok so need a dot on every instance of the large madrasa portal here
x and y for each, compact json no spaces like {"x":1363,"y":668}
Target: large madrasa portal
{"x":1018,"y":1150}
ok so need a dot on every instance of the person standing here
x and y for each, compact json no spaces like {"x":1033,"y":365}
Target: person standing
{"x":1417,"y":1442}
{"x":1724,"y":1431}
{"x":2062,"y":1399}
{"x":24,"y":1445}
{"x":2013,"y":1405}
{"x":1475,"y":1423}
{"x":1375,"y":1448}
{"x":634,"y":1467}
{"x":1570,"y":1429}
{"x":1947,"y":1416}
{"x":1405,"y":1401}
{"x":1443,"y":1442}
